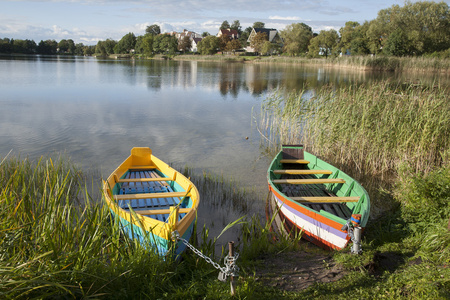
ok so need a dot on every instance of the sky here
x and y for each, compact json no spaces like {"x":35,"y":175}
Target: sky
{"x":88,"y":21}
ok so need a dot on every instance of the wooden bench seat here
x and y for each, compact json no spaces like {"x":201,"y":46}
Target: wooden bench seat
{"x":140,"y":168}
{"x":308,"y":181}
{"x":294,"y":161}
{"x":145,"y":179}
{"x":325,"y":199}
{"x":149,"y":195}
{"x":302,"y":172}
{"x":161,"y":211}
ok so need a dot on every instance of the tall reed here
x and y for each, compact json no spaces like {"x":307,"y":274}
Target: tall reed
{"x":375,"y":128}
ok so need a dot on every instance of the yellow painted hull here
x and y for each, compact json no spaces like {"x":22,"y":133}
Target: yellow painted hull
{"x":152,"y":200}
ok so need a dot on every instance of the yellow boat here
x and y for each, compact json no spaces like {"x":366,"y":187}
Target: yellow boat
{"x":152,"y":200}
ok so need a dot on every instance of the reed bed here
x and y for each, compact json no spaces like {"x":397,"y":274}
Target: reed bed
{"x":374,"y":128}
{"x":375,"y":63}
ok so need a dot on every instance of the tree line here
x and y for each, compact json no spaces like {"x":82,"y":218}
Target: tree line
{"x":47,"y":47}
{"x":420,"y":28}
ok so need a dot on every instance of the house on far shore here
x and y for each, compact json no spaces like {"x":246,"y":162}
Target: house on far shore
{"x":272,"y":34}
{"x":194,"y":44}
{"x":232,"y":33}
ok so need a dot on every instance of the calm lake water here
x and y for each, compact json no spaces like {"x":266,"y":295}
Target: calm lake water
{"x":196,"y":114}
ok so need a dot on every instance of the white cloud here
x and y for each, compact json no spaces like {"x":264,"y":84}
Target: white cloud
{"x":284,"y":18}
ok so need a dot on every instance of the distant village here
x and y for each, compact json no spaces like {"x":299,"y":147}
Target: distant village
{"x":415,"y":29}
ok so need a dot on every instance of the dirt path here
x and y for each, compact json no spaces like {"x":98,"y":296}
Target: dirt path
{"x":295,"y":271}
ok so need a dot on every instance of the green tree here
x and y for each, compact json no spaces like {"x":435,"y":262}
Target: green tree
{"x":259,"y":25}
{"x":66,"y":46}
{"x":347,"y":36}
{"x":205,"y":34}
{"x":88,"y":50}
{"x":24,"y":46}
{"x":208,"y":45}
{"x":296,"y":38}
{"x":236,"y":26}
{"x":223,"y":41}
{"x":243,"y":38}
{"x":360,"y":43}
{"x":269,"y":48}
{"x":100,"y":48}
{"x":126,"y":43}
{"x":258,"y":41}
{"x":79,"y":49}
{"x":165,"y":44}
{"x":397,"y":44}
{"x":375,"y":35}
{"x":153,"y":29}
{"x":326,"y":43}
{"x":233,"y":45}
{"x":314,"y":47}
{"x":5,"y":45}
{"x":109,"y":45}
{"x":425,"y":25}
{"x":47,"y":47}
{"x":225,"y":25}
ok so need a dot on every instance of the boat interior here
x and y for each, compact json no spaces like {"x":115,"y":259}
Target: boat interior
{"x":310,"y":187}
{"x":149,"y":193}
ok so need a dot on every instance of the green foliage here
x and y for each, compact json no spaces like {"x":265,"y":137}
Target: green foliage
{"x":259,"y":25}
{"x":326,"y":43}
{"x":233,"y":45}
{"x":47,"y":47}
{"x":165,"y":44}
{"x":105,"y":47}
{"x":354,"y":38}
{"x":258,"y":41}
{"x":208,"y":45}
{"x":424,"y":27}
{"x":66,"y":46}
{"x":236,"y":26}
{"x":296,"y":38}
{"x":397,"y":44}
{"x":225,"y":25}
{"x":153,"y":29}
{"x":126,"y":44}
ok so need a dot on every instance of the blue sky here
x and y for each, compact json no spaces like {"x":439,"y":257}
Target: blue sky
{"x":87,"y":21}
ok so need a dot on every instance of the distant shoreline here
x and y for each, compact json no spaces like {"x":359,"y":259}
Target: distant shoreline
{"x":360,"y":63}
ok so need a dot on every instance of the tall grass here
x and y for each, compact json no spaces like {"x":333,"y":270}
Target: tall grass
{"x":55,"y":241}
{"x":374,"y":128}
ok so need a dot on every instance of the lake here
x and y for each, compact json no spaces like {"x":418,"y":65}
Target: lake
{"x":191,"y":113}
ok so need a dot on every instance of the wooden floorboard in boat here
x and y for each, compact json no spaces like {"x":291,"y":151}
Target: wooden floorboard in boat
{"x":145,"y":187}
{"x":313,"y":190}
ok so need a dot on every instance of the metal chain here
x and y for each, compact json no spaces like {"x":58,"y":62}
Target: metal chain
{"x":231,"y":269}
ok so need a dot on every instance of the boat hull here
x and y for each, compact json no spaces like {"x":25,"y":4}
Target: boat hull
{"x":321,"y":221}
